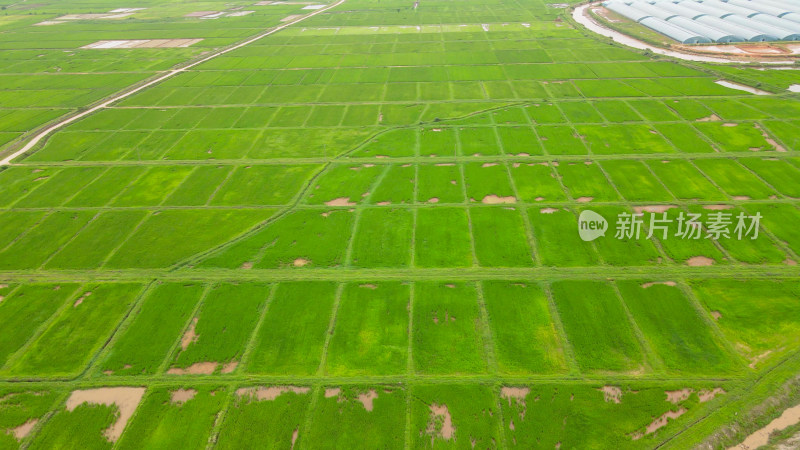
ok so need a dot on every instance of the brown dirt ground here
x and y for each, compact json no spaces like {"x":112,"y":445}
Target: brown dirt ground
{"x":126,"y":399}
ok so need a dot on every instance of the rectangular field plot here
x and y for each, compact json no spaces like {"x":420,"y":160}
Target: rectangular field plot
{"x":198,"y":188}
{"x":90,"y":248}
{"x":625,"y":250}
{"x":59,"y":188}
{"x":555,"y":247}
{"x":218,"y":334}
{"x":397,"y":186}
{"x":521,"y":141}
{"x":81,"y":426}
{"x":155,"y":328}
{"x":486,"y":181}
{"x":354,"y":417}
{"x":172,"y":417}
{"x":25,"y":310}
{"x":452,"y":416}
{"x":524,"y":335}
{"x":17,"y":182}
{"x":679,"y":336}
{"x":623,"y":139}
{"x":586,"y":182}
{"x":393,"y":143}
{"x":536,"y":182}
{"x":635,"y":181}
{"x":443,"y":238}
{"x":440,"y":183}
{"x":684,"y":180}
{"x":680,"y":244}
{"x":616,"y":416}
{"x":170,"y":236}
{"x":371,"y":332}
{"x":344,"y":185}
{"x":77,"y":332}
{"x":303,"y":238}
{"x":561,"y":140}
{"x":20,"y":411}
{"x":478,"y":141}
{"x":735,"y":137}
{"x":277,"y":412}
{"x":438,"y":141}
{"x":684,"y":137}
{"x":779,"y":174}
{"x":384,"y":238}
{"x":760,"y":317}
{"x":762,"y":250}
{"x":33,"y":248}
{"x":587,"y":309}
{"x":263,"y":185}
{"x":446,"y":317}
{"x":734,"y":179}
{"x":292,"y":335}
{"x":508,"y":249}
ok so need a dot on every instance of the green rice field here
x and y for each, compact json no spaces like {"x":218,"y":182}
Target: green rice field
{"x":355,"y":224}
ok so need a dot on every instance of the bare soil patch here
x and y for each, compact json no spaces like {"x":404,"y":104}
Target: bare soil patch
{"x":332,"y":392}
{"x":341,"y":201}
{"x":709,"y":394}
{"x":699,"y":261}
{"x":494,"y":200}
{"x":300,"y":262}
{"x":547,"y":210}
{"x":517,"y":395}
{"x":126,"y":399}
{"x":653,"y":283}
{"x":717,"y":207}
{"x":270,"y":393}
{"x":23,"y":430}
{"x":741,"y":197}
{"x":711,"y":118}
{"x":716,"y":315}
{"x":181,"y":396}
{"x":440,"y":424}
{"x":662,"y":421}
{"x":433,"y":200}
{"x":201,"y":368}
{"x":584,"y":199}
{"x":229,"y":367}
{"x":81,"y":299}
{"x":676,"y":397}
{"x":612,"y":394}
{"x":489,"y":164}
{"x":653,"y":208}
{"x":367,"y":398}
{"x":190,"y":336}
{"x":247,"y":266}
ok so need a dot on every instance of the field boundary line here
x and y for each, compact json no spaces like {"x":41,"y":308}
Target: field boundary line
{"x":651,"y":358}
{"x":249,"y":348}
{"x":566,"y":346}
{"x":216,"y":428}
{"x":172,"y":353}
{"x":487,"y":337}
{"x":130,"y":91}
{"x":102,"y":354}
{"x":323,"y":360}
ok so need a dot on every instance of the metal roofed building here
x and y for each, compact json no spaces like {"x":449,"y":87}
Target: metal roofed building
{"x":723,"y":21}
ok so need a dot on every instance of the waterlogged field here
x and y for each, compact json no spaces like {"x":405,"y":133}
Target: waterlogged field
{"x":362,"y":231}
